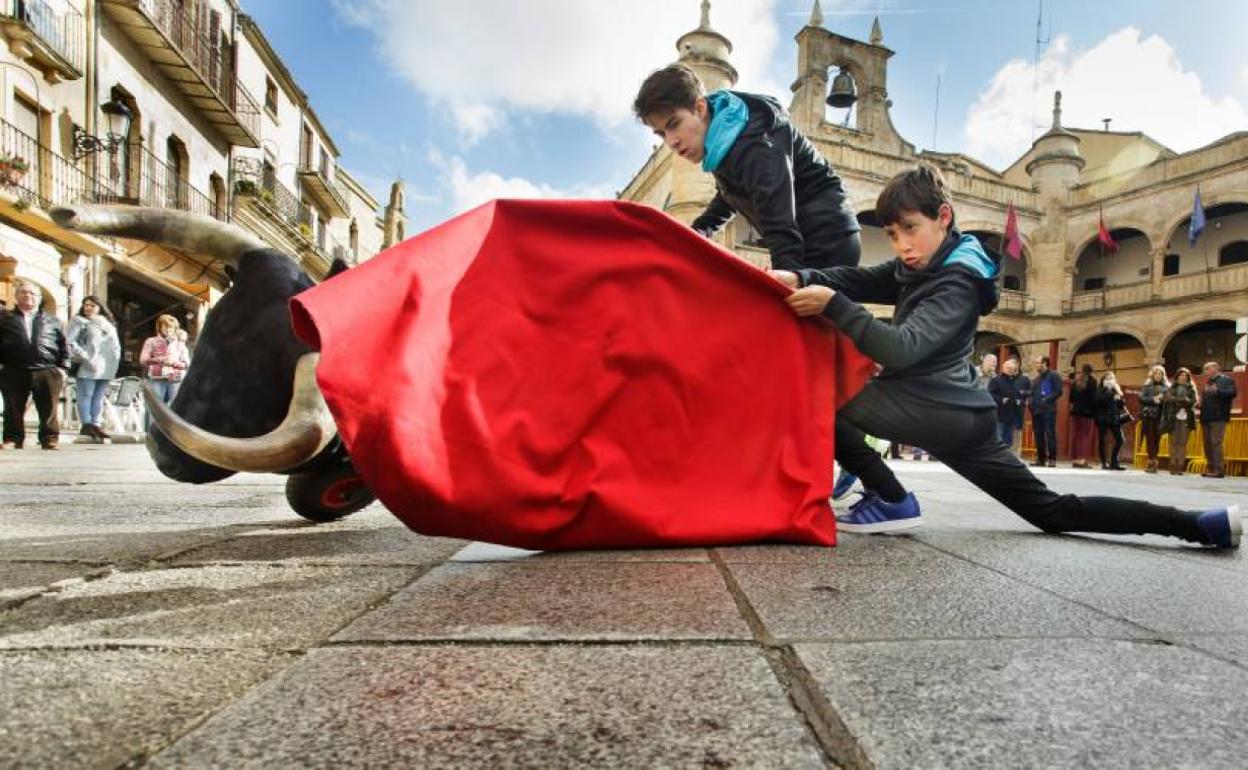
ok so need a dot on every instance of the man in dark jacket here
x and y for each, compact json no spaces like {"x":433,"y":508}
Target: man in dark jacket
{"x":1010,"y":390}
{"x":1046,"y":389}
{"x":1215,"y":412}
{"x":764,"y":169}
{"x":34,"y":354}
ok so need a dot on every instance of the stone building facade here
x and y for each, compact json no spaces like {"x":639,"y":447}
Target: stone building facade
{"x":1156,"y":299}
{"x":214,"y":123}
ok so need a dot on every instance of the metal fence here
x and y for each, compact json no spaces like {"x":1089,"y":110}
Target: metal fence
{"x":41,"y":177}
{"x":63,"y":31}
{"x":208,"y":53}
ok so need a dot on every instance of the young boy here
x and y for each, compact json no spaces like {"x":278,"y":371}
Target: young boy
{"x":764,"y":169}
{"x":927,"y":394}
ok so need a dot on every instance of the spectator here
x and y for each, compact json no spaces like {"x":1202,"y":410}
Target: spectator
{"x":1083,"y":416}
{"x":1110,"y":408}
{"x":1009,"y":390}
{"x":1046,"y":389}
{"x":95,"y":349}
{"x":164,"y":358}
{"x":1215,"y":412}
{"x":32,"y":348}
{"x":1151,"y":397}
{"x":1178,"y":418}
{"x":987,"y":369}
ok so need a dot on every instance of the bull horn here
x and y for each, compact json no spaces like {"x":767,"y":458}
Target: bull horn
{"x":307,"y":429}
{"x":181,"y":230}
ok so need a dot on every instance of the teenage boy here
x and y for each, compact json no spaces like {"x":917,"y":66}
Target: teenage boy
{"x":927,"y":392}
{"x":764,"y":169}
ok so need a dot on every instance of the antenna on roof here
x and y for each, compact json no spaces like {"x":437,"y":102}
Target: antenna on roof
{"x":1042,"y":43}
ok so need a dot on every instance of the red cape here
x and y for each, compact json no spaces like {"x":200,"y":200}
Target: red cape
{"x":581,"y":374}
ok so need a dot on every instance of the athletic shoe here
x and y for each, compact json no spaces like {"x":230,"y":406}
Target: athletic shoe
{"x":1222,"y":527}
{"x":874,"y":514}
{"x":844,"y":485}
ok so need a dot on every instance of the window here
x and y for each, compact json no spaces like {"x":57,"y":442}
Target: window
{"x":1233,"y":254}
{"x":1092,"y":284}
{"x":26,"y":119}
{"x":1170,"y":265}
{"x":1012,"y":283}
{"x":176,"y":171}
{"x":270,"y":96}
{"x":305,"y":148}
{"x":324,"y":167}
{"x":355,"y":241}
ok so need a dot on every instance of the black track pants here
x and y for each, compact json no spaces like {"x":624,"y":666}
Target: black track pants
{"x":965,"y":440}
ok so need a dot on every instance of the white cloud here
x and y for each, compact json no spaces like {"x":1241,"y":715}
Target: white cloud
{"x":482,"y":58}
{"x":1138,"y":81}
{"x":468,"y":189}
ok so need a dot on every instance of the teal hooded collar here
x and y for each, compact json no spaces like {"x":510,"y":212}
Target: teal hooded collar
{"x":728,"y":118}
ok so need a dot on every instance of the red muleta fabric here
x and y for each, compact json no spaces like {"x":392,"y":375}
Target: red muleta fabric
{"x":581,"y":374}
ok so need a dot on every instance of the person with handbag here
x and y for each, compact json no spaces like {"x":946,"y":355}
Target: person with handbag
{"x":1152,"y":396}
{"x":95,"y":352}
{"x":1110,"y":408}
{"x":1178,"y":418}
{"x":1083,"y":390}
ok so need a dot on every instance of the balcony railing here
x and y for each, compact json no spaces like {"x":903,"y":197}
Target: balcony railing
{"x":137,"y":177}
{"x":53,"y":39}
{"x":1016,"y":302}
{"x":196,"y":58}
{"x":38,"y":176}
{"x":1216,"y":280}
{"x":329,"y":193}
{"x":1110,"y":297}
{"x":254,"y":179}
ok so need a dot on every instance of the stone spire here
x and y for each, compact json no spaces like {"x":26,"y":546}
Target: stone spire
{"x":1057,"y":110}
{"x":816,"y":16}
{"x":394,"y":220}
{"x":705,"y":51}
{"x":877,"y":35}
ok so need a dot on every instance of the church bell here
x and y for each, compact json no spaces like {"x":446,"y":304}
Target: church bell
{"x":843,"y":92}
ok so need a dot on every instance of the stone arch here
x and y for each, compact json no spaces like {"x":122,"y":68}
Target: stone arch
{"x":859,"y":74}
{"x":1120,"y":351}
{"x":1190,"y":345}
{"x":989,"y":341}
{"x":1132,"y":263}
{"x":1177,"y":226}
{"x":1014,"y":272}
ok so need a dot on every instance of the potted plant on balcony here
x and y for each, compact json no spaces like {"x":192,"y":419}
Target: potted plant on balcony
{"x":305,"y":230}
{"x":12,"y":169}
{"x":244,"y":187}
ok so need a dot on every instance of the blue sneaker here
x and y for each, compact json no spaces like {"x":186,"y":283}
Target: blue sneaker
{"x":1222,"y":527}
{"x":874,"y":514}
{"x":844,"y":485}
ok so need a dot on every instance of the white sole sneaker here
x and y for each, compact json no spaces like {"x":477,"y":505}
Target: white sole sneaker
{"x":881,"y":526}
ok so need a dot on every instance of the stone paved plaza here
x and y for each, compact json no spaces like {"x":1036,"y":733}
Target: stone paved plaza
{"x":147,"y":623}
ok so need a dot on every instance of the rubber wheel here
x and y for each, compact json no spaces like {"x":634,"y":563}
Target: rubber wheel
{"x":327,"y":495}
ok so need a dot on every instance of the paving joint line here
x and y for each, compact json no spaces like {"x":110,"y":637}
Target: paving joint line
{"x":837,"y":743}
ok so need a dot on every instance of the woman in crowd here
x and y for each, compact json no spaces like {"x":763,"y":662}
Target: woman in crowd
{"x":164,"y":358}
{"x":1152,"y":395}
{"x":1110,"y":404}
{"x":1178,"y":417}
{"x":1083,"y":417}
{"x":95,"y":351}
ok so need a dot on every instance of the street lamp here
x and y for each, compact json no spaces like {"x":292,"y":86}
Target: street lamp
{"x":119,"y":116}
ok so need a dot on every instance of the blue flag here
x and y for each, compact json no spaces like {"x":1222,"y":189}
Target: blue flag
{"x":1198,"y":220}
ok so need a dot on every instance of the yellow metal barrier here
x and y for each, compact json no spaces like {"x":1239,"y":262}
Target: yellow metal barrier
{"x":1234,"y":449}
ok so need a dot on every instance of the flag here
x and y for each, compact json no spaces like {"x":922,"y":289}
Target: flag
{"x":1013,"y":243}
{"x":581,"y":374}
{"x":1198,"y":220}
{"x":1102,"y":235}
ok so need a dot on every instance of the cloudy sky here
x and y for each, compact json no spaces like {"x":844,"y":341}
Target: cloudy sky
{"x":469,"y":100}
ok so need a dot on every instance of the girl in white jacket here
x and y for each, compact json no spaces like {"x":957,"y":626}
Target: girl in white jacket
{"x":96,"y":351}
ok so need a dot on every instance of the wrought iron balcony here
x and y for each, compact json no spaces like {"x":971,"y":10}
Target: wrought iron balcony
{"x":195,"y":60}
{"x":327,"y":192}
{"x":253,"y":179}
{"x":137,"y":177}
{"x":37,"y":176}
{"x":52,"y":40}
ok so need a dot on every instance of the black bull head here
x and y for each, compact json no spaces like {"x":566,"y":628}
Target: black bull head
{"x":249,"y":402}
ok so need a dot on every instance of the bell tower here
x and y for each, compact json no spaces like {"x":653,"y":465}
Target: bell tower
{"x":704,"y":51}
{"x":857,"y":72}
